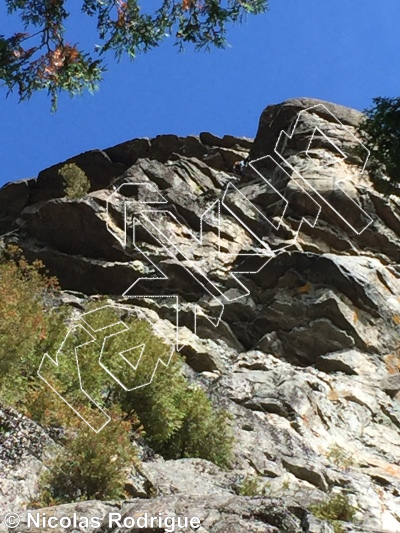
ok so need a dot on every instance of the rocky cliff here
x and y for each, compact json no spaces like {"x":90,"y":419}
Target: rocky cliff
{"x":278,"y":265}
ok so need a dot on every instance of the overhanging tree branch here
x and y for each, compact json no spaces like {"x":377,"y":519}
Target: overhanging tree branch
{"x":54,"y":64}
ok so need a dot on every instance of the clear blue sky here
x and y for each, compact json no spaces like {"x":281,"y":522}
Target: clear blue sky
{"x":345,"y":51}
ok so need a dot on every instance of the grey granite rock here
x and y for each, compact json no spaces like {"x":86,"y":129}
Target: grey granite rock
{"x":306,"y":354}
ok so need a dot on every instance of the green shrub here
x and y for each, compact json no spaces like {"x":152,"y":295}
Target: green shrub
{"x":76,"y":183}
{"x":91,"y":465}
{"x":340,"y":457}
{"x":379,"y":131}
{"x":176,"y":418}
{"x":27,"y":324}
{"x":251,"y":487}
{"x":336,"y":509}
{"x":204,"y":431}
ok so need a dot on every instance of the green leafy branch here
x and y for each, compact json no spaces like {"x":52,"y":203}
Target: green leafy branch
{"x":40,"y":57}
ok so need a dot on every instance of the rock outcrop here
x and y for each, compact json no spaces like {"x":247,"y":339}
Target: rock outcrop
{"x":300,"y":254}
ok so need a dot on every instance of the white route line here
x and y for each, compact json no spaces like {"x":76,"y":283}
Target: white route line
{"x":143,"y":216}
{"x":90,"y":331}
{"x":286,"y":137}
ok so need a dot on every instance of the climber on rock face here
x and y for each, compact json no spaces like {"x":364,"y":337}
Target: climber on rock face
{"x":239,"y":166}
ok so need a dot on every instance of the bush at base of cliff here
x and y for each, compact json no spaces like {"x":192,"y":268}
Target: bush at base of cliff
{"x":178,"y":419}
{"x":91,"y":465}
{"x":204,"y":432}
{"x":76,"y":183}
{"x":26,"y":323}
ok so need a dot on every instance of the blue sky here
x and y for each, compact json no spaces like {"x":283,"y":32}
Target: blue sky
{"x":338,"y":50}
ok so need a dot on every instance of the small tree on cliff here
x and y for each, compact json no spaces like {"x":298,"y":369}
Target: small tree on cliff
{"x":41,"y":57}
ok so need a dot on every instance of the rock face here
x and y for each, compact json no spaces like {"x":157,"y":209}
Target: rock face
{"x":24,"y":448}
{"x":300,"y":255}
